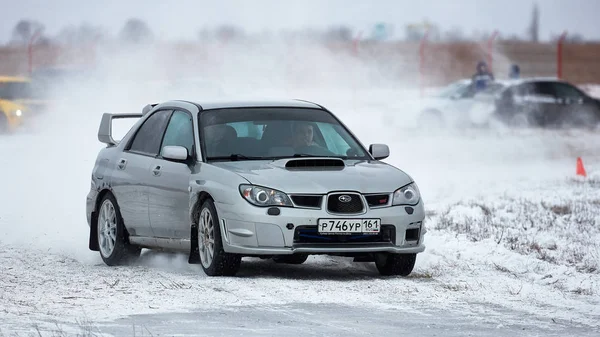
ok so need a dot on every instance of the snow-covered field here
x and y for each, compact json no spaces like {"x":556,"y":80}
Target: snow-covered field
{"x":513,"y":234}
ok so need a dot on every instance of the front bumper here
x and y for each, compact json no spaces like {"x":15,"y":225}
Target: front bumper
{"x":250,"y":230}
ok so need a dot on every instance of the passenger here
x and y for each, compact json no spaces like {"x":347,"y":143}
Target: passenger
{"x":220,"y":139}
{"x":515,"y":72}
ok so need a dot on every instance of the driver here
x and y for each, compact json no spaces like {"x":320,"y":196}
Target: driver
{"x":303,"y":135}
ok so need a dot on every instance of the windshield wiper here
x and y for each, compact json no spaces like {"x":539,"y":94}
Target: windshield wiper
{"x":235,"y":157}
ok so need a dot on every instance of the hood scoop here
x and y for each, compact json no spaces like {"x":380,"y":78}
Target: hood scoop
{"x":335,"y":164}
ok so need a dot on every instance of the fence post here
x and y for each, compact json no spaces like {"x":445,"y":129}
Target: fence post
{"x":559,"y":56}
{"x":490,"y":50}
{"x":422,"y":62}
{"x":30,"y":49}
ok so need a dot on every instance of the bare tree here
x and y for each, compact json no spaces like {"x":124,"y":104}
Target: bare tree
{"x":534,"y":26}
{"x":341,"y":33}
{"x":82,"y":34}
{"x":136,"y":31}
{"x":25,"y":30}
{"x":229,"y":32}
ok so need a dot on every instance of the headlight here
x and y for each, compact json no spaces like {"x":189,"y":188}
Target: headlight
{"x":407,"y":195}
{"x":18,"y":113}
{"x":262,"y":196}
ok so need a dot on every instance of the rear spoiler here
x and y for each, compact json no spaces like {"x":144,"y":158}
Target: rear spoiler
{"x":105,"y":130}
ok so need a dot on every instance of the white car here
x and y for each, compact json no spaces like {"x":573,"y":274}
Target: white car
{"x":274,"y":179}
{"x":458,"y":104}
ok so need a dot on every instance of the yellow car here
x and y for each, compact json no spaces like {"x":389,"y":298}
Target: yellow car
{"x":17,"y":100}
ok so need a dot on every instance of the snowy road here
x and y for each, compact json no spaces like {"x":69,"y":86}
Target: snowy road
{"x":162,"y":296}
{"x":339,"y":320}
{"x":513,"y":246}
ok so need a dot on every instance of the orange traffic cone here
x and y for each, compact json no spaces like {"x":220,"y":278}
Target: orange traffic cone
{"x":580,"y":168}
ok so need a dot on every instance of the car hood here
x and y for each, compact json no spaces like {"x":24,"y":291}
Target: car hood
{"x":313,"y":177}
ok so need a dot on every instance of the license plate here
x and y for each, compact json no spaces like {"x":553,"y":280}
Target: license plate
{"x":349,"y":226}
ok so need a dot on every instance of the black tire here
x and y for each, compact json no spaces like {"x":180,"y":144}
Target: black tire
{"x":395,"y":264}
{"x":291,"y":259}
{"x":222,"y":263}
{"x":123,"y":252}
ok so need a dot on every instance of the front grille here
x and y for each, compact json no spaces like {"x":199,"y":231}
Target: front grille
{"x":313,"y":201}
{"x":353,"y":205}
{"x":306,"y":234}
{"x":374,"y":200}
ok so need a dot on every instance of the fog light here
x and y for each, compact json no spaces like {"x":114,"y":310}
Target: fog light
{"x":273,"y":211}
{"x":18,"y":113}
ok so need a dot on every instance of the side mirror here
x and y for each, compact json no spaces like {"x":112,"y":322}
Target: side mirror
{"x":175,"y":153}
{"x":379,"y":151}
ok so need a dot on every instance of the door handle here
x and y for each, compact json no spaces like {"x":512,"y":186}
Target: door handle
{"x":122,"y":163}
{"x":156,"y":170}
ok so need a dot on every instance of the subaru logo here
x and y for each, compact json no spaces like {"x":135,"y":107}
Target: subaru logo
{"x":345,"y":198}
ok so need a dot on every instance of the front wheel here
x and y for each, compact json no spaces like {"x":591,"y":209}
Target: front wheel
{"x":113,"y":244}
{"x":214,"y":260}
{"x":395,"y":264}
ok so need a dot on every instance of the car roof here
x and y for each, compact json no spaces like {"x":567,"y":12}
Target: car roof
{"x":290,"y":103}
{"x":518,"y":81}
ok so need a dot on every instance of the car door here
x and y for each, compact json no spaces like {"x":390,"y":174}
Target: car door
{"x":539,"y":102}
{"x":576,"y":108}
{"x":168,"y":187}
{"x":131,"y":176}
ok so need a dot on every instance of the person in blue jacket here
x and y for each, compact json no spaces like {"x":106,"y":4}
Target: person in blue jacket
{"x":482,"y":77}
{"x":515,"y":72}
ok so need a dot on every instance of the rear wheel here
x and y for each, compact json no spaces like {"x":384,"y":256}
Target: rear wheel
{"x":113,"y":244}
{"x":395,"y":264}
{"x":214,"y":260}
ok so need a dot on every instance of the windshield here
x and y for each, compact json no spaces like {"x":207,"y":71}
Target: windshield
{"x":273,"y":133}
{"x":16,"y":90}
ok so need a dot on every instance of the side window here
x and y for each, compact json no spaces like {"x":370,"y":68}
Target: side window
{"x":543,"y":89}
{"x":148,"y":137}
{"x":180,"y":131}
{"x":567,"y":91}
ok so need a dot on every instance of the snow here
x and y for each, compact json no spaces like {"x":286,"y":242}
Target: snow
{"x":509,"y":225}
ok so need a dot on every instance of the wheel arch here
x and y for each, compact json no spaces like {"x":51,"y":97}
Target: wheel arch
{"x":201,"y":197}
{"x":93,"y":242}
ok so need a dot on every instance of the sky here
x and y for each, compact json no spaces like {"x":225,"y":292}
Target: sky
{"x":183,"y":18}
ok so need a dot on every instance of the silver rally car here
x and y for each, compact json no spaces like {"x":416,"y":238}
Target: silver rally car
{"x":277,"y":180}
